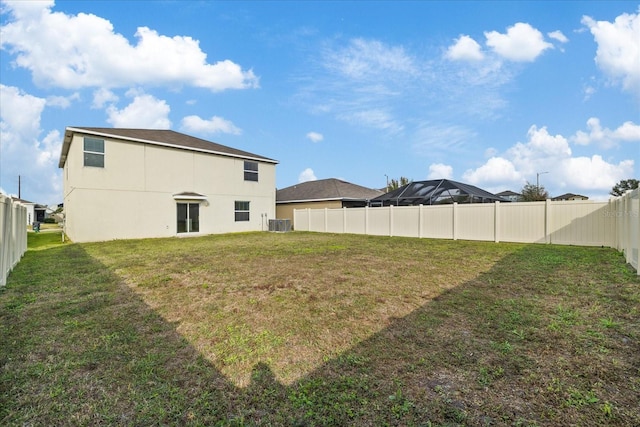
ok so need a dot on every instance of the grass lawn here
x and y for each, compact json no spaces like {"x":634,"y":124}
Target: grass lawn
{"x":318,"y":329}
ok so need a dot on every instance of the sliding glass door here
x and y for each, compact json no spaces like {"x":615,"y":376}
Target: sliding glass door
{"x":188,"y":217}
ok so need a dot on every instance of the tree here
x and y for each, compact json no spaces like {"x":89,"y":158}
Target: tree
{"x":394,"y":184}
{"x":534,"y":193}
{"x":621,"y":187}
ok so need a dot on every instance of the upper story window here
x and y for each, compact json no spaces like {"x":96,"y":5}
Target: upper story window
{"x":250,"y":171}
{"x":94,"y":152}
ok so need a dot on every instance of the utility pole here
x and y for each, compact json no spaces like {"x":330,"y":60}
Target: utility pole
{"x":538,"y":181}
{"x":19,"y":187}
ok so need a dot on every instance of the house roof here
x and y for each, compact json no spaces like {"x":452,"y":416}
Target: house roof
{"x":162,"y":137}
{"x":508,"y":193}
{"x":568,"y":196}
{"x":26,"y":202}
{"x":324,"y":190}
{"x":436,"y":191}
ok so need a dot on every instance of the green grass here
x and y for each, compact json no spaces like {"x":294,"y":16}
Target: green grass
{"x":318,"y":329}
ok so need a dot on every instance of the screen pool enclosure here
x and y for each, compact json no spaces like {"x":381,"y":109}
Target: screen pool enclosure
{"x":435,"y":192}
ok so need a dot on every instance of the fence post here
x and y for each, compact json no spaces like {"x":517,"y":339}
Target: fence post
{"x":326,"y":219}
{"x":344,"y":219}
{"x":547,"y":221}
{"x":420,"y":231}
{"x":455,"y":220}
{"x":366,"y":220}
{"x":390,"y":220}
{"x":635,"y":241}
{"x":496,"y":221}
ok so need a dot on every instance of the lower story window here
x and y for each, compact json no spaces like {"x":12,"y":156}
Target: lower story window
{"x":188,"y":217}
{"x":242,"y":211}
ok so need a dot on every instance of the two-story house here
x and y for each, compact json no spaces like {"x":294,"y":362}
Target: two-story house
{"x":138,"y":183}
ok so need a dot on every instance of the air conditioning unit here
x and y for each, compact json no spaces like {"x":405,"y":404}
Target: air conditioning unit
{"x":280,"y":225}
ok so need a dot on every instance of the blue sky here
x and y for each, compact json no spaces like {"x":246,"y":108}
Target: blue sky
{"x":488,"y":93}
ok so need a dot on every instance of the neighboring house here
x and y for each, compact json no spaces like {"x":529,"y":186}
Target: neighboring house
{"x":435,"y":192}
{"x":569,"y":196}
{"x":320,"y":194}
{"x":35,"y":212}
{"x":138,"y":183}
{"x":510,"y":196}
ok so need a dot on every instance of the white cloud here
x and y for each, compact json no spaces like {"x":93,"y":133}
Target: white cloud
{"x":521,"y":43}
{"x":145,"y":111}
{"x":465,"y":48}
{"x":363,"y":58}
{"x":103,"y":96}
{"x":618,"y":53}
{"x":32,"y":158}
{"x":20,"y":114}
{"x":593,"y":173}
{"x":62,"y":101}
{"x":447,"y":138}
{"x":440,"y":171}
{"x":76,"y":51}
{"x":550,"y":153}
{"x":374,"y":118}
{"x":557,"y":35}
{"x":605,"y":137}
{"x":212,"y":126}
{"x":541,"y":149}
{"x":307,"y":175}
{"x":496,"y":170}
{"x":588,"y":91}
{"x":315,"y":136}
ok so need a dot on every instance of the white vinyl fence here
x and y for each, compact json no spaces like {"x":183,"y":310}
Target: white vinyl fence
{"x":13,"y":235}
{"x":626,"y":215}
{"x":583,"y":223}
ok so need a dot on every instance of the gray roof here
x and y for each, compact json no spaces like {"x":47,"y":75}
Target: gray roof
{"x":507,"y":193}
{"x":567,"y":196}
{"x":325,"y":189}
{"x":164,"y":137}
{"x":436,"y":191}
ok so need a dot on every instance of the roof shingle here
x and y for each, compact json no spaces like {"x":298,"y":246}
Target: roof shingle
{"x":164,"y":137}
{"x":325,"y":189}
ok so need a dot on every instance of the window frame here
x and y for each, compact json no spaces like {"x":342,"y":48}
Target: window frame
{"x":250,"y":171}
{"x":91,"y":153}
{"x":240,"y":212}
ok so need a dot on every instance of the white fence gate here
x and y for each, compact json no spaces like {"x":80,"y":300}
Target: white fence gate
{"x":615,"y":223}
{"x":13,"y":235}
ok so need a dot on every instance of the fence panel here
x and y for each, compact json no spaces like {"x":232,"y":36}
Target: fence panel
{"x":406,"y":222}
{"x":437,"y":222}
{"x":301,"y":219}
{"x":522,"y":222}
{"x":13,"y":235}
{"x":356,"y":220}
{"x":475,"y":222}
{"x":634,"y":229}
{"x":335,"y":220}
{"x":626,"y":214}
{"x":317,"y":220}
{"x":378,"y":221}
{"x":579,"y":222}
{"x":613,"y":224}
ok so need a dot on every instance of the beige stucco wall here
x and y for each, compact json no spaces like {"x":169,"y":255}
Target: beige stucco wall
{"x":132,"y":196}
{"x":285,"y":210}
